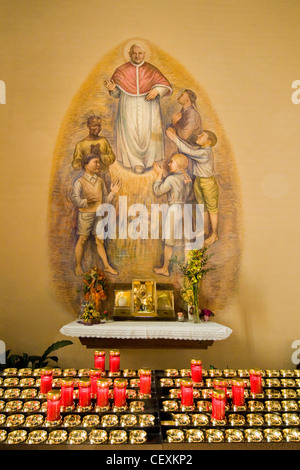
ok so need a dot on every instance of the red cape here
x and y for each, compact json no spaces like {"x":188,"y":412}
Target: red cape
{"x":125,"y":77}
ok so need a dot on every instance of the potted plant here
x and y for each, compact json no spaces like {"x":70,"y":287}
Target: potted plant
{"x":206,"y":314}
{"x":94,"y":291}
{"x":193,"y":270}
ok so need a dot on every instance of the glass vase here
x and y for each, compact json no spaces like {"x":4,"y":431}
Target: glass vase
{"x":196,"y":307}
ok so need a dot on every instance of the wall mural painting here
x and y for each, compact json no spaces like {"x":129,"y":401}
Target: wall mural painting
{"x":140,"y":136}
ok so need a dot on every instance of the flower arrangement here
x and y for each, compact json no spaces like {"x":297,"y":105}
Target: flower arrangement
{"x":206,"y":314}
{"x":193,"y":270}
{"x":94,"y":291}
{"x":89,"y":314}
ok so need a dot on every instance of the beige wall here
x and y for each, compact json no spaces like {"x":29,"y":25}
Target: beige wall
{"x":246,"y":56}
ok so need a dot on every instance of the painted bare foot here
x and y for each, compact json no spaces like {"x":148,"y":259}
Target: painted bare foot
{"x":78,"y":271}
{"x":111,"y":270}
{"x":210,"y":240}
{"x":162,"y":271}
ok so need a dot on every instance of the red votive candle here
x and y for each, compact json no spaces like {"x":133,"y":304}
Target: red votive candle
{"x":102,"y":394}
{"x":67,"y":393}
{"x":46,"y":380}
{"x":221,"y":384}
{"x":53,"y":406}
{"x":255,"y":381}
{"x":120,"y":386}
{"x":187,"y":397}
{"x":145,"y":383}
{"x":99,"y":360}
{"x":95,"y":374}
{"x":218,"y":405}
{"x":114,"y":361}
{"x":238,"y":392}
{"x":196,"y":370}
{"x":84,"y":393}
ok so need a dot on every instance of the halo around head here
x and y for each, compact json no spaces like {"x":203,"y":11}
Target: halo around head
{"x":138,"y":42}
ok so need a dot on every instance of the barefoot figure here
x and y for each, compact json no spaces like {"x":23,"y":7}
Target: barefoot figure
{"x":178,"y":188}
{"x":89,"y":191}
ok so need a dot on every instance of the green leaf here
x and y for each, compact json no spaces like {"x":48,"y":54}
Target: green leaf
{"x":55,"y":346}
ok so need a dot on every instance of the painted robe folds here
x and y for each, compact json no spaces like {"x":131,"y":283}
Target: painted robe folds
{"x":139,"y":126}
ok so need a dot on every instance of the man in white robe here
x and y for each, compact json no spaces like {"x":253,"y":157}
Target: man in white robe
{"x":139,"y":86}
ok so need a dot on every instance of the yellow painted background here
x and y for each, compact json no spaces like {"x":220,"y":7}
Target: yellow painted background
{"x":245,"y":55}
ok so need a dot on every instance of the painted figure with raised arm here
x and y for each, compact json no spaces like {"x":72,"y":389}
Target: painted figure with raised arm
{"x":206,"y":188}
{"x":139,"y":86}
{"x":89,"y":192}
{"x":177,"y":186}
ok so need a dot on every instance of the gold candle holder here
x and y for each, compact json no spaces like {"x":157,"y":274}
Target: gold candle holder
{"x":199,"y":419}
{"x":229,"y":373}
{"x":171,"y":372}
{"x":273,"y":419}
{"x":236,"y":419}
{"x":16,"y":437}
{"x":10,"y":371}
{"x":69,"y":372}
{"x":273,"y":435}
{"x":29,"y":393}
{"x":287,"y":373}
{"x":170,"y":405}
{"x":137,"y":436}
{"x":3,"y":435}
{"x":90,"y":421}
{"x":272,"y":373}
{"x":128,"y":420}
{"x":215,"y":373}
{"x":272,"y":405}
{"x":146,"y":420}
{"x":78,"y":436}
{"x":273,"y":393}
{"x":181,"y":419}
{"x":289,"y":405}
{"x":118,"y":437}
{"x":11,"y":382}
{"x":255,"y":419}
{"x":291,"y":435}
{"x":291,"y":419}
{"x":175,"y":435}
{"x":288,"y":393}
{"x":166,"y":382}
{"x":58,"y":436}
{"x":185,"y":372}
{"x":27,"y":382}
{"x":34,"y":420}
{"x":214,"y":435}
{"x":254,"y":405}
{"x":32,"y":405}
{"x":234,"y":435}
{"x":37,"y":437}
{"x":136,"y":406}
{"x":253,"y":435}
{"x":109,"y":420}
{"x":98,"y":436}
{"x":194,"y":435}
{"x":71,"y":420}
{"x":129,"y":373}
{"x":15,"y":420}
{"x":13,"y":406}
{"x":204,"y":405}
{"x":12,"y":393}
